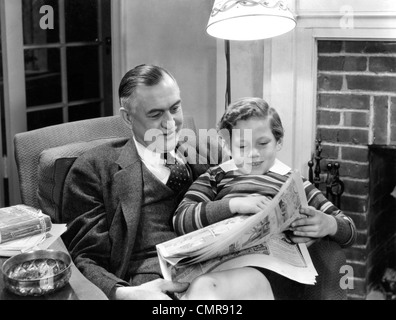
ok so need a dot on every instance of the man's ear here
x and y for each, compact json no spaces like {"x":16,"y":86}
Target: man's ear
{"x":279,"y":144}
{"x":126,"y":117}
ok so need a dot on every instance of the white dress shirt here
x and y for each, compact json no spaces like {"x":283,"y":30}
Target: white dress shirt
{"x":155,"y":162}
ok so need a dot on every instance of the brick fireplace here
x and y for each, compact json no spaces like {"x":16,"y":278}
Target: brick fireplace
{"x":381,"y":242}
{"x":356,"y":111}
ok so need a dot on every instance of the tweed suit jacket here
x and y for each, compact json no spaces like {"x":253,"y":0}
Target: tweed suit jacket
{"x":102,"y":204}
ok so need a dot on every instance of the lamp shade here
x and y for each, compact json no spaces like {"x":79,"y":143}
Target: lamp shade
{"x":249,"y":19}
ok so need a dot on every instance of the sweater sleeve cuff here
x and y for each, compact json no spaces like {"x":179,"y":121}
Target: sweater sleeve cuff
{"x":344,"y":232}
{"x":219,"y":210}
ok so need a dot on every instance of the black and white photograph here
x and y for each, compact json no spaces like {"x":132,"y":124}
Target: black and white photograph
{"x":127,"y":124}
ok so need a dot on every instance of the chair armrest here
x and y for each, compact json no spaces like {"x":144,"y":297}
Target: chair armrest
{"x":328,"y":258}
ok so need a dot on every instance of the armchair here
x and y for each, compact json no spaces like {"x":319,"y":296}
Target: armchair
{"x":44,"y":157}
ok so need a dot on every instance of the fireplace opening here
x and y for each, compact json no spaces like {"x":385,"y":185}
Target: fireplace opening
{"x":381,"y":267}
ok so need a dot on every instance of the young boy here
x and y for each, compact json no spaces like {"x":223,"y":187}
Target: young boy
{"x":254,"y":133}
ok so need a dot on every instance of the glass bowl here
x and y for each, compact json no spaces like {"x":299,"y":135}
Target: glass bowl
{"x":37,"y":273}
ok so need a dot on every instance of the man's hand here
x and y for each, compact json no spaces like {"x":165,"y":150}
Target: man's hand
{"x":153,"y":290}
{"x":248,"y":205}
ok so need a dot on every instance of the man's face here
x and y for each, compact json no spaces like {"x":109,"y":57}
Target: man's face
{"x":157,"y":116}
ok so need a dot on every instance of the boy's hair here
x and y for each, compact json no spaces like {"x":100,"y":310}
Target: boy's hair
{"x":247,"y":108}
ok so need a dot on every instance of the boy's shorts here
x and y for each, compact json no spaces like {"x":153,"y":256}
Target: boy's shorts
{"x":283,"y":288}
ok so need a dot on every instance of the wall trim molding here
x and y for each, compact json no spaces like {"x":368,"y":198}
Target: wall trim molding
{"x":339,"y":8}
{"x":118,"y":48}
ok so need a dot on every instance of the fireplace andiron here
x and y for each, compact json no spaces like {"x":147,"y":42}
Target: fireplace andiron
{"x":334,"y":186}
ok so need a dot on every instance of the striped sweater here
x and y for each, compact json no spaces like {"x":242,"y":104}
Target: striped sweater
{"x":207,"y":200}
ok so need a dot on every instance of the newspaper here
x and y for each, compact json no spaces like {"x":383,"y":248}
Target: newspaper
{"x":247,"y":240}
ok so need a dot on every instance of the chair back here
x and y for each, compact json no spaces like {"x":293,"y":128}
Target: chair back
{"x":30,"y":144}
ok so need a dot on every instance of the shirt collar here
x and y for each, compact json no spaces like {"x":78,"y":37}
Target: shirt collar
{"x":278,"y":167}
{"x":150,"y":156}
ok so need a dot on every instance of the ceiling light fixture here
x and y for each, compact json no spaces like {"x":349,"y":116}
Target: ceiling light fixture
{"x":249,"y":19}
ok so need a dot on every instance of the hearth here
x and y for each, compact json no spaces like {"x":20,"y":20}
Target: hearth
{"x":381,"y":264}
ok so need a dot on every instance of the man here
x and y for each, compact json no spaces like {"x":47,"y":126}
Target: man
{"x":120,"y":198}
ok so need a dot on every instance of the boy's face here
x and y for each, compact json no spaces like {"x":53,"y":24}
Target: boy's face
{"x":253,"y":146}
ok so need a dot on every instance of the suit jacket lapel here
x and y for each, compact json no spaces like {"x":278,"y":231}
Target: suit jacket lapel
{"x":129,"y":188}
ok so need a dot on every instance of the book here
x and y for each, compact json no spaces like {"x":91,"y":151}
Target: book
{"x":20,"y":221}
{"x":40,"y":241}
{"x":245,"y":240}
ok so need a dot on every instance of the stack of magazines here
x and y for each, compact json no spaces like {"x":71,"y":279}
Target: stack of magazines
{"x":24,"y":228}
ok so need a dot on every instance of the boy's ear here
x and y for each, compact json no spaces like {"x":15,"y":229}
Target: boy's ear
{"x":279,"y":144}
{"x":227,"y":148}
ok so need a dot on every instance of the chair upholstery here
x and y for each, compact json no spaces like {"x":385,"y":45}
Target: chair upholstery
{"x":29,"y":145}
{"x":54,"y":165}
{"x":328,"y":258}
{"x":66,"y":142}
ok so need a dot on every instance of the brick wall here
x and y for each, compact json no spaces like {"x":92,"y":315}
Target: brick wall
{"x":356,"y":107}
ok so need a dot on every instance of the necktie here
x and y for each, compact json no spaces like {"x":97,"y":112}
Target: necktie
{"x":179,"y":176}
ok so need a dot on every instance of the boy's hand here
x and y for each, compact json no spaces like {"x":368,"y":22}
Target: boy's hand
{"x":296,"y":239}
{"x":248,"y":205}
{"x":313,"y":224}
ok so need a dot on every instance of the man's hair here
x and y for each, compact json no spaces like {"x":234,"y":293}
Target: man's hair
{"x":247,"y":108}
{"x":142,"y":75}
